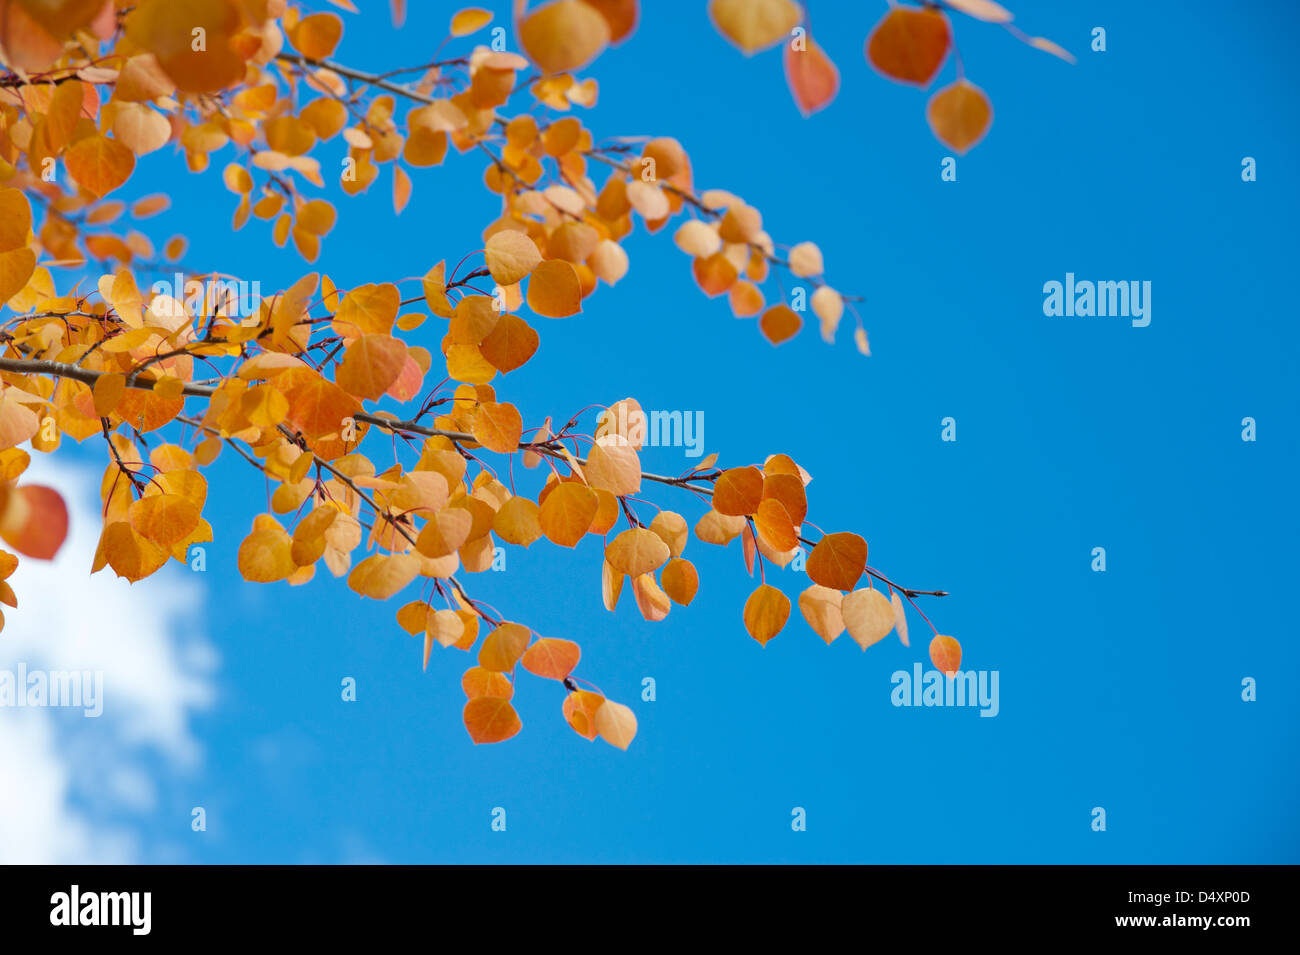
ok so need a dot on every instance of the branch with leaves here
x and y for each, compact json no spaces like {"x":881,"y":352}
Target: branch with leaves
{"x":387,"y":455}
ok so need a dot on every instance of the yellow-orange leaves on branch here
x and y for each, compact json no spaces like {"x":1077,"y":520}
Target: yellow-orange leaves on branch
{"x":960,"y":115}
{"x":945,"y":654}
{"x":171,"y":31}
{"x":766,"y":612}
{"x":910,"y":45}
{"x":490,"y":719}
{"x":551,"y":658}
{"x":838,"y":561}
{"x":563,"y":35}
{"x":754,"y":25}
{"x":812,"y":77}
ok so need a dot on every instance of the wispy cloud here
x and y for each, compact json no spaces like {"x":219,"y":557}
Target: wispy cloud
{"x":69,"y":785}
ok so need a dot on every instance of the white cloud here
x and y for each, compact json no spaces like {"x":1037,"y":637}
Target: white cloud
{"x":69,"y":784}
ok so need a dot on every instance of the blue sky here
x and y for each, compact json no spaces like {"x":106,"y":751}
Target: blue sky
{"x":1119,"y":690}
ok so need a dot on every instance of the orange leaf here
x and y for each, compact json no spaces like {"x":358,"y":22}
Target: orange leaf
{"x":99,"y":164}
{"x":498,"y":427}
{"x":551,"y":658}
{"x":960,"y":115}
{"x":637,"y":551}
{"x":317,"y":35}
{"x":33,"y":520}
{"x":738,"y":491}
{"x":554,"y":290}
{"x":772,"y":521}
{"x":564,"y":35}
{"x":567,"y":513}
{"x":812,"y":77}
{"x":838,"y":561}
{"x":371,"y":365}
{"x":680,"y":580}
{"x":766,"y":612}
{"x":580,"y":708}
{"x":480,"y":682}
{"x":945,"y":653}
{"x":490,"y":719}
{"x":909,"y":45}
{"x":780,"y":323}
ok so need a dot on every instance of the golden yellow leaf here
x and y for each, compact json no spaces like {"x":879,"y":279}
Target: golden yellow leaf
{"x":503,"y":647}
{"x":960,"y":115}
{"x":616,"y":724}
{"x":511,"y":256}
{"x":754,"y":25}
{"x":636,"y":551}
{"x":554,"y":290}
{"x":563,"y":35}
{"x":498,"y":427}
{"x":868,"y":616}
{"x":820,"y":606}
{"x":317,"y":35}
{"x":766,"y":612}
{"x":518,"y":521}
{"x":15,"y":220}
{"x":266,"y":555}
{"x":445,"y":532}
{"x":380,"y":576}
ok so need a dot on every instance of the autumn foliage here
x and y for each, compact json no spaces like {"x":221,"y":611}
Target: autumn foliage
{"x":379,"y":415}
